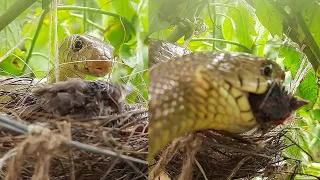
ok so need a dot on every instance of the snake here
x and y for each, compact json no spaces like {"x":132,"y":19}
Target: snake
{"x":204,"y":90}
{"x":81,"y":55}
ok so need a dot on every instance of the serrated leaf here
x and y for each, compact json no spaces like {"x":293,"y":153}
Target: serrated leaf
{"x":269,"y":16}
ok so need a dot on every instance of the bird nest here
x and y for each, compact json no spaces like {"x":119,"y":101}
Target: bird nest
{"x":71,"y":130}
{"x":216,"y":155}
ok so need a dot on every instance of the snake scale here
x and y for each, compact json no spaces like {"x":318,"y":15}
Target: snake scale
{"x":206,"y":90}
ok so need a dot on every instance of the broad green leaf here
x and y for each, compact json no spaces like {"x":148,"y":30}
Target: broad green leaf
{"x":292,"y":58}
{"x":13,"y":64}
{"x":116,"y":33}
{"x":316,"y":114}
{"x":269,"y":17}
{"x":284,"y":2}
{"x":124,"y":8}
{"x":155,"y":22}
{"x":143,"y":15}
{"x":45,"y":3}
{"x":261,"y":40}
{"x":127,"y":55}
{"x":228,"y":29}
{"x":244,"y":24}
{"x":11,"y":35}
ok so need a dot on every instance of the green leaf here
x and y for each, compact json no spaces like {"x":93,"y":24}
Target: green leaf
{"x":10,"y":35}
{"x":228,"y":29}
{"x":261,"y":40}
{"x":316,"y":114}
{"x":155,"y":22}
{"x":269,"y":16}
{"x":308,"y":89}
{"x":244,"y":24}
{"x":311,"y":16}
{"x":45,"y":3}
{"x":124,"y":8}
{"x":116,"y":33}
{"x":292,"y":58}
{"x":127,"y":55}
{"x":11,"y":66}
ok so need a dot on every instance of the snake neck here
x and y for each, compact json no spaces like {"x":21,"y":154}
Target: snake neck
{"x":65,"y":71}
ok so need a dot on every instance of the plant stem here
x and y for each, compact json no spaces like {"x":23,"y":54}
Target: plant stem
{"x":246,"y":49}
{"x":34,"y":39}
{"x":213,"y":21}
{"x":94,"y":10}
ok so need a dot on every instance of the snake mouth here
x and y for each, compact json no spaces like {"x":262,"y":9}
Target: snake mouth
{"x":275,"y":106}
{"x":99,"y":68}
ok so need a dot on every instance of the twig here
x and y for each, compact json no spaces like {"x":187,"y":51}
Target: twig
{"x":235,"y":169}
{"x":201,"y":169}
{"x":246,"y":49}
{"x":107,"y":119}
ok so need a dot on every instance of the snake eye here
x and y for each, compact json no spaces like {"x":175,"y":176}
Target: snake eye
{"x":78,"y":44}
{"x":266,"y":69}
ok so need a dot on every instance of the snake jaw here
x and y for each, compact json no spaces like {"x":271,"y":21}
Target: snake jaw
{"x":99,"y":66}
{"x":100,"y":60}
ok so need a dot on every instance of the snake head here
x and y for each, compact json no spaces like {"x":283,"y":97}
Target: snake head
{"x":87,"y":55}
{"x":249,"y":73}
